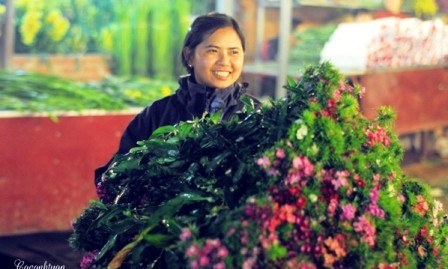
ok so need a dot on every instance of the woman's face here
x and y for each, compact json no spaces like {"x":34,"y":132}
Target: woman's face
{"x":218,"y":60}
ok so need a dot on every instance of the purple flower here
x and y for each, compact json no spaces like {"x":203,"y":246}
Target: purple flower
{"x":88,"y":260}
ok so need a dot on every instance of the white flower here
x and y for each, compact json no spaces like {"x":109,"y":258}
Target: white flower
{"x":312,"y":197}
{"x":314,"y":149}
{"x":302,"y":132}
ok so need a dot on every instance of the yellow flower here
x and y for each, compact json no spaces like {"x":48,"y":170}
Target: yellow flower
{"x":58,"y":24}
{"x":30,"y":26}
{"x":59,"y":29}
{"x":2,"y":9}
{"x":133,"y":93}
{"x":107,"y":39}
{"x":53,"y":16}
{"x":425,"y":8}
{"x":166,"y":90}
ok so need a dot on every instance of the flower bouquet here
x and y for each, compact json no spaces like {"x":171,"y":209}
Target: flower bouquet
{"x":303,"y":182}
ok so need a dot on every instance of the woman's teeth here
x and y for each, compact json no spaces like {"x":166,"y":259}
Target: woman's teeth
{"x":223,"y":74}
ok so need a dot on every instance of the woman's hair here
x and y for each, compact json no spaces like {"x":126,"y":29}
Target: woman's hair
{"x":204,"y":26}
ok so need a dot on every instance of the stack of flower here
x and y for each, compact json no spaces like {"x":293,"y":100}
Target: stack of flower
{"x":306,"y":182}
{"x":388,"y":43}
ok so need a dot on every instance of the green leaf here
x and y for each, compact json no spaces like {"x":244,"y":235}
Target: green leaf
{"x":158,"y":240}
{"x":291,"y":81}
{"x":276,"y":252}
{"x":108,"y":246}
{"x":163,"y":130}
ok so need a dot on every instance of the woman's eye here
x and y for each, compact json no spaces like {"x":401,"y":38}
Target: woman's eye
{"x":213,"y":51}
{"x":235,"y":52}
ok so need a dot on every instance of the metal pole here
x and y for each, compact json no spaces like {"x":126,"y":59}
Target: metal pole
{"x":283,"y":53}
{"x":7,"y":36}
{"x":260,"y":30}
{"x":225,"y":6}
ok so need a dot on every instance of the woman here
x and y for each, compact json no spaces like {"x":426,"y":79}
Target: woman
{"x":213,"y":54}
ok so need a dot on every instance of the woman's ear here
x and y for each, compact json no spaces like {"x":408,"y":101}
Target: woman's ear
{"x":186,"y":52}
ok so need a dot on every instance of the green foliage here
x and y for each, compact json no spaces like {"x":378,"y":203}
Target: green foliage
{"x":303,"y":181}
{"x":31,"y":92}
{"x":310,"y":42}
{"x":143,"y":38}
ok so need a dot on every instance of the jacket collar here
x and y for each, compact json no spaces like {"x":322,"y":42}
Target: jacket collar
{"x":197,"y":98}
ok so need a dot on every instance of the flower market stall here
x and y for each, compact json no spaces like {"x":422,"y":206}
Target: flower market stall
{"x":390,"y":43}
{"x":54,"y":133}
{"x":305,"y":182}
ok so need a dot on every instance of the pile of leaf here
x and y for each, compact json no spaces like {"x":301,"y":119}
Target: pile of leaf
{"x":310,"y":42}
{"x":33,"y":92}
{"x":268,"y":188}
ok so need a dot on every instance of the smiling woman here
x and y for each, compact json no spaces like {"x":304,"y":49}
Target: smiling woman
{"x":218,"y":60}
{"x":213,"y":55}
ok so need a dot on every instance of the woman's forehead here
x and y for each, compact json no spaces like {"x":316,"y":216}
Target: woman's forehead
{"x":225,"y":37}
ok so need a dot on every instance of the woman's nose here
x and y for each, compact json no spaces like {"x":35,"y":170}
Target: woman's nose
{"x":223,"y":59}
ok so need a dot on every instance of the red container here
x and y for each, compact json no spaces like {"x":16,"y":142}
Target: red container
{"x":47,"y":166}
{"x":419,"y":97}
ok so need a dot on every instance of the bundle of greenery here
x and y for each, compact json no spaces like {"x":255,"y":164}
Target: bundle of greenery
{"x":304,"y":182}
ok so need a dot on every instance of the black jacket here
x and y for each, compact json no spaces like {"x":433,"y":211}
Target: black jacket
{"x":190,"y":101}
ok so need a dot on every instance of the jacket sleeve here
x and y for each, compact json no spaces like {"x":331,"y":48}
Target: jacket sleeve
{"x":140,"y":128}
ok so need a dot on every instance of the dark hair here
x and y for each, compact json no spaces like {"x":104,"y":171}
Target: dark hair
{"x":204,"y":26}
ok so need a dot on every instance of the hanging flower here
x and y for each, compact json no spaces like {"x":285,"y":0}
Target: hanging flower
{"x":58,"y":25}
{"x":30,"y":26}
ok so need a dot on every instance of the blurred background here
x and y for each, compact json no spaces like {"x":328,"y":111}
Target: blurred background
{"x":73,"y":73}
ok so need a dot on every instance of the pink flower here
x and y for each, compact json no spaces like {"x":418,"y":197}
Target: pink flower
{"x":204,"y":260}
{"x":273,"y":172}
{"x":192,"y":251}
{"x":376,"y":211}
{"x":214,"y":243}
{"x":379,"y":135}
{"x":280,"y":153}
{"x":341,"y":179}
{"x":194,"y":264}
{"x":348,"y":212}
{"x":303,"y":164}
{"x":337,"y":95}
{"x":293,"y":177}
{"x":345,"y":87}
{"x":332,"y":207}
{"x":185,"y":234}
{"x":422,"y":206}
{"x":364,"y":227}
{"x":222,"y":252}
{"x":264,"y":162}
{"x":374,"y":195}
{"x":249,"y":263}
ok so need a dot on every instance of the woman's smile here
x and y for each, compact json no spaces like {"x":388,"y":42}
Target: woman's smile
{"x":218,"y":60}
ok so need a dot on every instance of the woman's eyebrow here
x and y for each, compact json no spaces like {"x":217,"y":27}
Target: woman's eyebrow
{"x":218,"y":47}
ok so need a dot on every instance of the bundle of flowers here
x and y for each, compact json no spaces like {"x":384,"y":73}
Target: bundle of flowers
{"x":304,"y":182}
